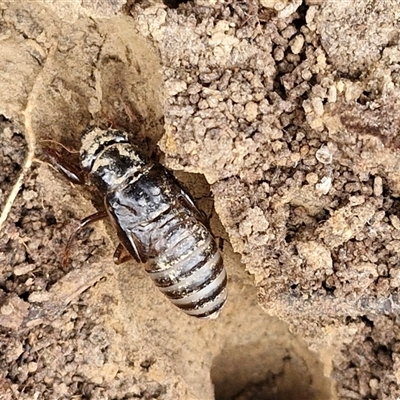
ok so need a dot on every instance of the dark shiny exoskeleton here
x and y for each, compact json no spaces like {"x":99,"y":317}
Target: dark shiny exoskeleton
{"x":155,"y":218}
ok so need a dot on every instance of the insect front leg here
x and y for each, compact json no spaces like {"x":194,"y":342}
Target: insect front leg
{"x":73,"y":173}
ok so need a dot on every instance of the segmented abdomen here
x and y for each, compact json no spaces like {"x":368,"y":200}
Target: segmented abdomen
{"x":187,"y":265}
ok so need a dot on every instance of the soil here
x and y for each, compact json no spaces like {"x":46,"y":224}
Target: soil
{"x":281,"y":117}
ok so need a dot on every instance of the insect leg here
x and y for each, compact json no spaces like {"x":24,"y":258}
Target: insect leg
{"x":133,"y":248}
{"x":121,"y":255}
{"x":220,"y":242}
{"x":86,"y":221}
{"x":72,"y":172}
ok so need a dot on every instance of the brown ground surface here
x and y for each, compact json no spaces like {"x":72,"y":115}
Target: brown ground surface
{"x":288,"y":113}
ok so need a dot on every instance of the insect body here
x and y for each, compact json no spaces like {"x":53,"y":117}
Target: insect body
{"x":156,"y":221}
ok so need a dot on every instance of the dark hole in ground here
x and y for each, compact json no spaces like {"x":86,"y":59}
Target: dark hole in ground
{"x":258,"y":372}
{"x":174,"y":3}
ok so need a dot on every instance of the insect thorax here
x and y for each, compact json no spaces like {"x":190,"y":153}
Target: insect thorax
{"x":110,"y":159}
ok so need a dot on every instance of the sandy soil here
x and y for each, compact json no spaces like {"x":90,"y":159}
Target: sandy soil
{"x":281,"y":117}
